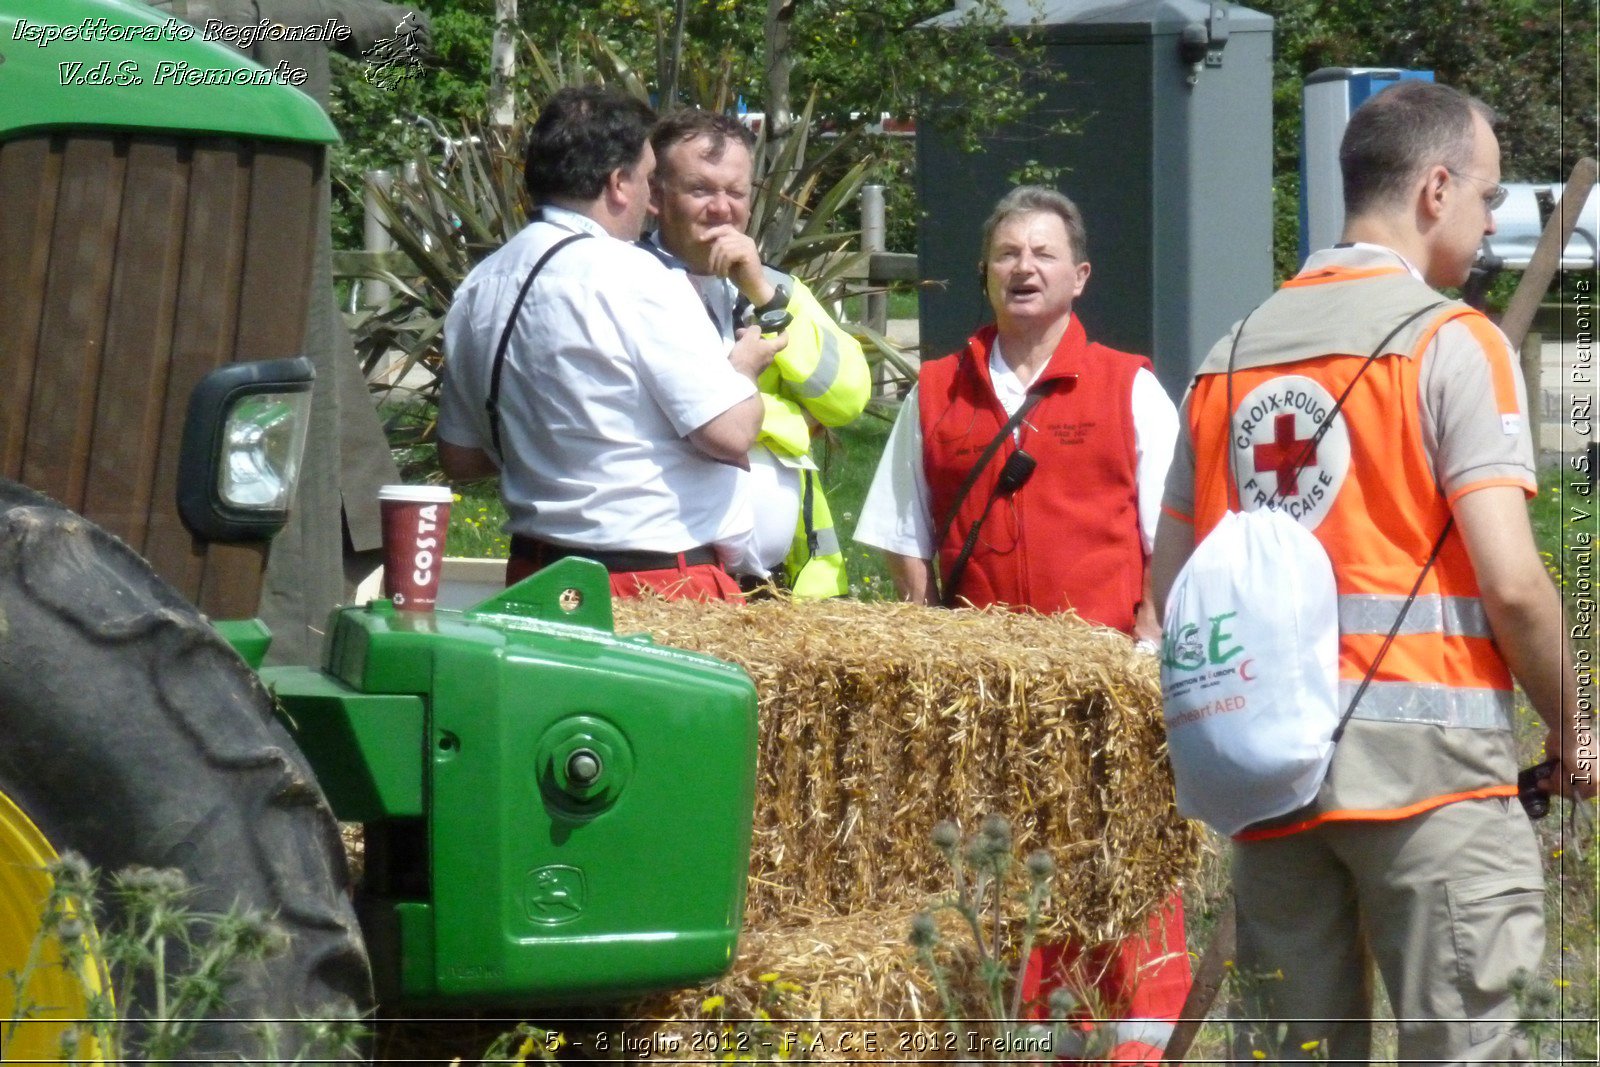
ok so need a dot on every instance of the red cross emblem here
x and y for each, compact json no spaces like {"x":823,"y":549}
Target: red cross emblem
{"x":1285,"y":455}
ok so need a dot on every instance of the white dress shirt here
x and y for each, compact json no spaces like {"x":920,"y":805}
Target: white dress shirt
{"x":612,"y":362}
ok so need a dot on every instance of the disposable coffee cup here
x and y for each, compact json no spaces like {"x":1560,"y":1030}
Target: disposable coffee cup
{"x":415,"y":520}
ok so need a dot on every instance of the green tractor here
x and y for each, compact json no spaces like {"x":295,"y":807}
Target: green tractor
{"x":552,"y":812}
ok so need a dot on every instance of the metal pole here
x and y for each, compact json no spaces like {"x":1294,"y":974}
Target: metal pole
{"x":873,"y":236}
{"x":374,"y":237}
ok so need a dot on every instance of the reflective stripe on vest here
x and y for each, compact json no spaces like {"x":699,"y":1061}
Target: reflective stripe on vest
{"x":825,"y":542}
{"x":822,"y":376}
{"x":1431,"y":704}
{"x":1374,"y":613}
{"x":1145,"y":1031}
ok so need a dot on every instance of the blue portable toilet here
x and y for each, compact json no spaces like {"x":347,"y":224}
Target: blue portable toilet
{"x":1328,"y":99}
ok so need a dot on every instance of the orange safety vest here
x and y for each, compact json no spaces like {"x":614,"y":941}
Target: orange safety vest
{"x":1434,"y":726}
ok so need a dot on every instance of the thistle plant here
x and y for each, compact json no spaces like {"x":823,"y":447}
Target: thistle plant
{"x":151,"y":969}
{"x":982,"y":867}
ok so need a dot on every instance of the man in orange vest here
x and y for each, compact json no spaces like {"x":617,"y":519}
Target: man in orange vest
{"x":1030,"y":464}
{"x":1416,"y":843}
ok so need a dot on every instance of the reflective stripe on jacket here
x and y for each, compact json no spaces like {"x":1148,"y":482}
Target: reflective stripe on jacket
{"x":821,"y":373}
{"x":1435,"y":725}
{"x":822,"y":367}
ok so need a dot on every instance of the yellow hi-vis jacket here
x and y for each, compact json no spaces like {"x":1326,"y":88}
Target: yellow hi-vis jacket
{"x":820,"y":375}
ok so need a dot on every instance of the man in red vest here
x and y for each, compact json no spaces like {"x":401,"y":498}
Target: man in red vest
{"x":1030,"y":465}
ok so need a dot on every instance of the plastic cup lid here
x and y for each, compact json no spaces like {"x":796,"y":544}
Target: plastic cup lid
{"x":421,"y":494}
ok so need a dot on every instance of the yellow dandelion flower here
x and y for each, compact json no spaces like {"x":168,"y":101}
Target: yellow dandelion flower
{"x":713,"y":1003}
{"x":770,"y":976}
{"x":1258,"y":1054}
{"x":1310,"y":1046}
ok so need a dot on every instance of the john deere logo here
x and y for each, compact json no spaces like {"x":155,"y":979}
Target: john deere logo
{"x":555,"y":894}
{"x":1279,"y":457}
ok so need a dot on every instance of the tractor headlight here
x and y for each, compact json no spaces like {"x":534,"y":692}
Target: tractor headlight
{"x":263,"y":439}
{"x":242,"y":447}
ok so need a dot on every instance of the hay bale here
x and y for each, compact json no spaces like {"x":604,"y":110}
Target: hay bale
{"x":879,"y":720}
{"x":837,"y":975}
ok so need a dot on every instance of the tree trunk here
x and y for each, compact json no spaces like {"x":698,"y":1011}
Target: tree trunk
{"x":780,"y":62}
{"x":671,"y":72}
{"x":503,"y":64}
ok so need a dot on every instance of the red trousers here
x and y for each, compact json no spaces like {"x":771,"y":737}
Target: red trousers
{"x":702,"y":581}
{"x":1134,"y":987}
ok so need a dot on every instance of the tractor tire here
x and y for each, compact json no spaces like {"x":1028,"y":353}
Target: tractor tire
{"x":134,"y":735}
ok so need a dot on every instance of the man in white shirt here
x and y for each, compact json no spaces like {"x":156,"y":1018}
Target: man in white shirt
{"x":587,"y":375}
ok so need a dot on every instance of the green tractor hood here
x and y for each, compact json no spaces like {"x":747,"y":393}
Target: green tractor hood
{"x":120,"y":64}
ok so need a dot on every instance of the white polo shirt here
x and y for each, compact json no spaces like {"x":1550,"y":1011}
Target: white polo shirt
{"x":612,"y":361}
{"x":897,"y":515}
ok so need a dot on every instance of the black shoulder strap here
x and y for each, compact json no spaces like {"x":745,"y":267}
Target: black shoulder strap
{"x":952,"y":581}
{"x":493,"y":403}
{"x":808,"y":511}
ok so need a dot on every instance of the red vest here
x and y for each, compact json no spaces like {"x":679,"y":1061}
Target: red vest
{"x":1069,"y":538}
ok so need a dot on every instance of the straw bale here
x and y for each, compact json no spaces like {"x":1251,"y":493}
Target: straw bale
{"x":878,"y":720}
{"x":846,"y":988}
{"x":850,"y":984}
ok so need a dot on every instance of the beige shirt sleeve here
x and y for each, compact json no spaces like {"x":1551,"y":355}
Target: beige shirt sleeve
{"x":1178,"y":499}
{"x":1474,"y":409}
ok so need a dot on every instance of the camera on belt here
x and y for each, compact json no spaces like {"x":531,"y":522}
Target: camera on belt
{"x":1536,"y":801}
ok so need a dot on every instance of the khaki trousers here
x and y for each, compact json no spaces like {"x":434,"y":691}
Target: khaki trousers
{"x":1450,"y":903}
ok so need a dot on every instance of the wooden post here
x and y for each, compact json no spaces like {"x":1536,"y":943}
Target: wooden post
{"x":1533,"y":379}
{"x":1208,"y":980}
{"x":374,"y":234}
{"x":1546,"y":259}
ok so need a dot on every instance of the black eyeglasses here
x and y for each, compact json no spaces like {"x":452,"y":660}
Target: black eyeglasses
{"x":1497,"y":193}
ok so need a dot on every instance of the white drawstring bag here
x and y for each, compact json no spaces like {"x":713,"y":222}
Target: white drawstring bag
{"x":1250,"y":671}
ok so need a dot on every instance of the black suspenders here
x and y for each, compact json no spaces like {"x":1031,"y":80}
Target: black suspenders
{"x":492,"y":404}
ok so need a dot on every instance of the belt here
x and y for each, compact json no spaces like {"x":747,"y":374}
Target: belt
{"x":541,"y":553}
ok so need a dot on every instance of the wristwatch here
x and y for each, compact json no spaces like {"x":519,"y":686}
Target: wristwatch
{"x":773,"y":316}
